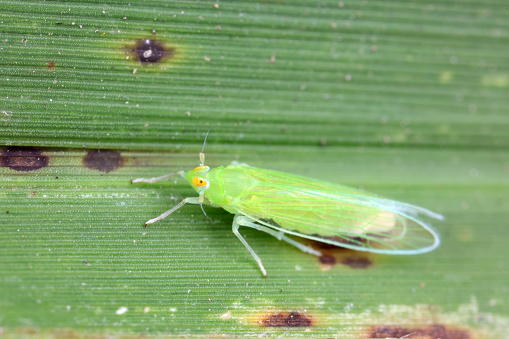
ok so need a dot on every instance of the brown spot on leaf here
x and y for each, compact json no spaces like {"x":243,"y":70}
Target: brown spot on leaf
{"x":23,"y":159}
{"x":50,"y":65}
{"x":286,"y":319}
{"x":356,"y":262}
{"x":27,"y":331}
{"x":327,"y":260}
{"x":429,"y":332}
{"x":64,"y":333}
{"x":104,"y":161}
{"x":324,"y":246}
{"x":332,"y":255}
{"x":150,"y":50}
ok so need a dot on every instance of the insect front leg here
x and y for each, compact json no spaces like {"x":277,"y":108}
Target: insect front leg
{"x":235,"y":229}
{"x":280,"y":235}
{"x":193,"y":200}
{"x":156,"y":179}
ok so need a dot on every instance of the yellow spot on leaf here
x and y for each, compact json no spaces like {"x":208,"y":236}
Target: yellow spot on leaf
{"x":445,"y":77}
{"x":495,"y":80}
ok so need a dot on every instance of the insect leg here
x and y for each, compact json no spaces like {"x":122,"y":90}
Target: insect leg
{"x":248,"y":222}
{"x":156,"y":179}
{"x":193,"y":200}
{"x":235,"y":229}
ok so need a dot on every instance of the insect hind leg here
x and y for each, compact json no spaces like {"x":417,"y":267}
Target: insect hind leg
{"x":280,"y":235}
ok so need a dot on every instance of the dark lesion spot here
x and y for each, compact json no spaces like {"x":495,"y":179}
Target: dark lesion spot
{"x":50,"y":65}
{"x":151,"y":51}
{"x":286,"y":319}
{"x":104,"y":161}
{"x":327,"y":259}
{"x":324,"y":246}
{"x":432,"y":331}
{"x":332,"y":255}
{"x":356,"y":262}
{"x":23,"y":159}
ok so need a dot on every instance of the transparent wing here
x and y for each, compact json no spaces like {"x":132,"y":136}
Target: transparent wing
{"x":335,"y":214}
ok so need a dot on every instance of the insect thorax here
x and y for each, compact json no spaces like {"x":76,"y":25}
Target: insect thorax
{"x":227,"y":185}
{"x":216,"y":192}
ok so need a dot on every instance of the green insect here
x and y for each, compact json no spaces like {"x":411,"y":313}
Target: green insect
{"x":279,"y":204}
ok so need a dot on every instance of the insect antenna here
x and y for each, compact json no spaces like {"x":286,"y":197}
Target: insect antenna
{"x":202,"y":155}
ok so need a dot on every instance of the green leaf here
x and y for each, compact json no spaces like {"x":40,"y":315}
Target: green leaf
{"x":405,"y":99}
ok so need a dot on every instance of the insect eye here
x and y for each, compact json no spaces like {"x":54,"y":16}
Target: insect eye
{"x":200,"y":182}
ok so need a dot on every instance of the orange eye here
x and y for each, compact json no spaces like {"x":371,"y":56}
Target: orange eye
{"x":199,"y":182}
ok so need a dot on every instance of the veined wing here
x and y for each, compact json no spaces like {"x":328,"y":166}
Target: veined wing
{"x":336,"y":214}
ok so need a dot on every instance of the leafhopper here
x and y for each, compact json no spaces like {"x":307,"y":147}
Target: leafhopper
{"x":282,"y":204}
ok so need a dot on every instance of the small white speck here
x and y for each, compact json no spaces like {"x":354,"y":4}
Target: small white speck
{"x":226,"y":316}
{"x":147,"y":54}
{"x":146,"y":309}
{"x":121,"y":310}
